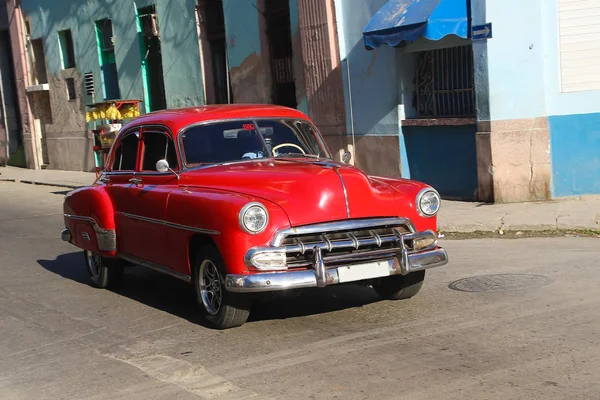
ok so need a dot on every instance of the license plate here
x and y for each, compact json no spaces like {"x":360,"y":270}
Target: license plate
{"x":359,"y":272}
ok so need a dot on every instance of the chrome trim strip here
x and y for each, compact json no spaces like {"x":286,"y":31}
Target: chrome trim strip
{"x":275,"y":281}
{"x":369,"y":223}
{"x":345,"y":191}
{"x":170,"y":224}
{"x":155,"y":267}
{"x":106,"y":238}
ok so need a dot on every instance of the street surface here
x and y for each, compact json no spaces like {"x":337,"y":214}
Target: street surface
{"x":62,"y":339}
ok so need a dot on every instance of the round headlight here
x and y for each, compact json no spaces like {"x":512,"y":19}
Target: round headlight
{"x":428,"y":202}
{"x":254,"y":218}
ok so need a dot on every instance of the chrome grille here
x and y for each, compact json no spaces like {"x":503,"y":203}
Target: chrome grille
{"x":355,"y":245}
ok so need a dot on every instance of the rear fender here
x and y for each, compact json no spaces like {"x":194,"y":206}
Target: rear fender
{"x":89,"y":215}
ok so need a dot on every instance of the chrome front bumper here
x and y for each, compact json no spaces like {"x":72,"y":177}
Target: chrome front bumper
{"x":320,"y":276}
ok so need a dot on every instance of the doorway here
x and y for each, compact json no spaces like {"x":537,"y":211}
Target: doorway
{"x":152,"y":71}
{"x":210,"y":14}
{"x":279,"y":33}
{"x":106,"y":53}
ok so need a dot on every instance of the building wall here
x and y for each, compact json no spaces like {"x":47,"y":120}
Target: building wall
{"x":247,"y":51}
{"x":574,"y":117}
{"x":372,"y":84}
{"x":379,"y":93}
{"x":513,"y":146}
{"x":10,"y":133}
{"x":69,"y":145}
{"x":538,"y":136}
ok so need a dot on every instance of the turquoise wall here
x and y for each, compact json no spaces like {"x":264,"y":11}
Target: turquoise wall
{"x":179,"y":43}
{"x":243,"y":34}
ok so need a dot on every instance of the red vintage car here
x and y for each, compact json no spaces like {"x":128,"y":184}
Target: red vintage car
{"x":240,"y":199}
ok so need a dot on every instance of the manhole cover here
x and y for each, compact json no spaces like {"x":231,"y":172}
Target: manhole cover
{"x":500,"y":283}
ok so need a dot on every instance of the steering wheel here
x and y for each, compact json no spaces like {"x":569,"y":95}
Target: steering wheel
{"x":287,"y":145}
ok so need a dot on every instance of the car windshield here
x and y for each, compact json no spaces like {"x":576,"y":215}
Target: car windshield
{"x":237,"y":140}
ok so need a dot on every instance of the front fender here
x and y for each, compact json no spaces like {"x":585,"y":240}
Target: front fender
{"x":215,"y":213}
{"x":405,"y":192}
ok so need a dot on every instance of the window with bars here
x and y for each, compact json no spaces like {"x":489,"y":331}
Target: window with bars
{"x":444,"y":79}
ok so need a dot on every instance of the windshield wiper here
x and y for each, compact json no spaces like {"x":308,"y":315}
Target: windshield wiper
{"x":297,"y":155}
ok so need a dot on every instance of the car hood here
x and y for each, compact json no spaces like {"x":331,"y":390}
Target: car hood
{"x":308,"y":191}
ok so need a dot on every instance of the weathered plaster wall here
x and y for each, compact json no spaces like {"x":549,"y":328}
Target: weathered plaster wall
{"x":179,"y":43}
{"x":321,"y":68}
{"x":381,"y":86}
{"x":247,"y":51}
{"x":68,"y":142}
{"x":513,"y":143}
{"x":9,"y":94}
{"x":370,"y":79}
{"x":31,"y":143}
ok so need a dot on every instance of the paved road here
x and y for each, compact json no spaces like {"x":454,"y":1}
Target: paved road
{"x":62,"y":339}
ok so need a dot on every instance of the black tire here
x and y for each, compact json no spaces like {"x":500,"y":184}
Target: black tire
{"x":232,"y":309}
{"x":105,"y":273}
{"x":399,"y":287}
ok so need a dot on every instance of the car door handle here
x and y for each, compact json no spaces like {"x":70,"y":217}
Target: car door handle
{"x":136,"y":181}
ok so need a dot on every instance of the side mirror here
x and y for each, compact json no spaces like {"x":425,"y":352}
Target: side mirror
{"x":346,"y":157}
{"x":162,"y":166}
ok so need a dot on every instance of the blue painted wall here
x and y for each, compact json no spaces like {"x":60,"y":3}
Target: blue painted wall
{"x":574,"y":120}
{"x":179,"y":43}
{"x":381,"y":83}
{"x":575,"y":151}
{"x":585,"y":102}
{"x":450,"y":164}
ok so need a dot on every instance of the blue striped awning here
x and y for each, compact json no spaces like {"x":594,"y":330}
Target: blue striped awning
{"x":398,"y":21}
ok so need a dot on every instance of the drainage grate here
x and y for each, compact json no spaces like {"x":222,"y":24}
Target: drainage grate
{"x":500,"y":283}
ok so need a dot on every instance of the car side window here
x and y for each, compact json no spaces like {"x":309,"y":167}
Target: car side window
{"x":126,"y":153}
{"x":158,"y":146}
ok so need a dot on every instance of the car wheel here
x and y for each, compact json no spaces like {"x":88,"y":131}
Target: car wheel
{"x":398,"y":287}
{"x":223,"y":309}
{"x":104,"y":272}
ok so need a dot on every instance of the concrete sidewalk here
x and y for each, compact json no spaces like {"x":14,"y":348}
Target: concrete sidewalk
{"x":50,"y":177}
{"x":580,"y":214}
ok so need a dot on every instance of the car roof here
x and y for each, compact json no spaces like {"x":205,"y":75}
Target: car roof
{"x":178,"y":118}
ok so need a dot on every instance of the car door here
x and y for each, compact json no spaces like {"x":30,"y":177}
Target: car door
{"x":148,"y":196}
{"x":117,"y":180}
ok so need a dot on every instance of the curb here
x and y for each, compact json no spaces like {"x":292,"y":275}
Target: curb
{"x":521,"y":234}
{"x":41,"y":183}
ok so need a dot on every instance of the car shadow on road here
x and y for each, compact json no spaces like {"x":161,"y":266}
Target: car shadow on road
{"x":176,"y":297}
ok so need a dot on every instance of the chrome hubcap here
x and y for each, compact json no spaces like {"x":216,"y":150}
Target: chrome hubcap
{"x":210,"y":287}
{"x":94,"y":263}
